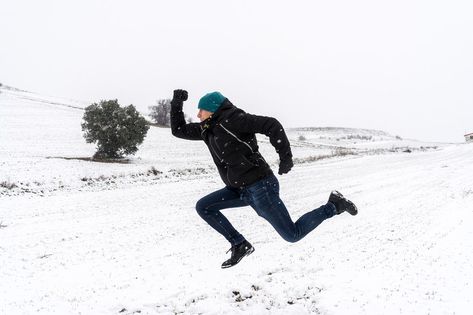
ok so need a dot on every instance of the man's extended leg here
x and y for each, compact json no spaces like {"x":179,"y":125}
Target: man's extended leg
{"x":209,"y":209}
{"x":263,"y":196}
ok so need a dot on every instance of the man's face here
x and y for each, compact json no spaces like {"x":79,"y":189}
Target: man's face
{"x":203,"y":114}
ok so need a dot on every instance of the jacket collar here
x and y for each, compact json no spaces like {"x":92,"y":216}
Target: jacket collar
{"x":216,"y":117}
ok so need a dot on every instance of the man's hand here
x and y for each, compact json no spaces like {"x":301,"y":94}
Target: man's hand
{"x":285,"y":166}
{"x":180,"y":95}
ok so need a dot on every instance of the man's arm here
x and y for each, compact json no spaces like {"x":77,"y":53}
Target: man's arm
{"x":179,"y":127}
{"x":272,"y":128}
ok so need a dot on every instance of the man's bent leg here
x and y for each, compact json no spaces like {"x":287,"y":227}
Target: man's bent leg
{"x":209,"y":209}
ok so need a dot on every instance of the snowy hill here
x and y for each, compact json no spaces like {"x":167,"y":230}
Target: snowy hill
{"x":79,"y":237}
{"x":42,"y":148}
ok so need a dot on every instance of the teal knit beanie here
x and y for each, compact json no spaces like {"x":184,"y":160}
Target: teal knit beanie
{"x":211,"y":101}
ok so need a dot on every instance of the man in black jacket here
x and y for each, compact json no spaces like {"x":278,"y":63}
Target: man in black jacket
{"x":229,"y":133}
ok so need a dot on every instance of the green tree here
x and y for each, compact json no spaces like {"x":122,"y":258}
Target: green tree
{"x":118,"y":131}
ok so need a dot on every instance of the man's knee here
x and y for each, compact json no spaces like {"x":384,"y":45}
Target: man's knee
{"x":291,"y":238}
{"x":202,"y":207}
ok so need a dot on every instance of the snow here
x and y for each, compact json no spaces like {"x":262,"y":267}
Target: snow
{"x":79,"y":237}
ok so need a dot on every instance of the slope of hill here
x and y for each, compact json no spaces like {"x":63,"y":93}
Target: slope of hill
{"x":42,"y":149}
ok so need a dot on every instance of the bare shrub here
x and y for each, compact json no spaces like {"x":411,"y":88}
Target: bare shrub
{"x":161,"y":113}
{"x":8,"y":185}
{"x":342,"y":152}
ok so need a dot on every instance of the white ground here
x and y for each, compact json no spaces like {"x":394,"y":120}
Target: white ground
{"x":78,"y":237}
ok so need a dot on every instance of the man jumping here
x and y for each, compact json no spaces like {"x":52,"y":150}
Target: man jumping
{"x":229,"y":133}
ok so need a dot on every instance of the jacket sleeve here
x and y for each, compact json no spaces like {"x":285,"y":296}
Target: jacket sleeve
{"x":268,"y":126}
{"x":179,"y":127}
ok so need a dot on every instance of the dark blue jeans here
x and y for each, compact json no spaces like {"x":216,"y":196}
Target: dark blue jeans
{"x":263,"y":197}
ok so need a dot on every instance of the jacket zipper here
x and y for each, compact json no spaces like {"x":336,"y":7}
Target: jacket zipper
{"x":230,"y":133}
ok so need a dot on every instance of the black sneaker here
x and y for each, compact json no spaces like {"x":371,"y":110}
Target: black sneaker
{"x":238,"y":252}
{"x":342,"y":204}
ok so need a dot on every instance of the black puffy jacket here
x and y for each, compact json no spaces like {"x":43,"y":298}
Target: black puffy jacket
{"x":230,"y":136}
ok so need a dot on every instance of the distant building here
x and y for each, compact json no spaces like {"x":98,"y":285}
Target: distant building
{"x":469,"y":137}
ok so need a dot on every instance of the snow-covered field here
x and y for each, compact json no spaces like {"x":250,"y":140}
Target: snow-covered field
{"x":79,"y":237}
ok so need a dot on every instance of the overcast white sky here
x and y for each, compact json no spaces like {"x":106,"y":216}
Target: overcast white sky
{"x":405,"y":67}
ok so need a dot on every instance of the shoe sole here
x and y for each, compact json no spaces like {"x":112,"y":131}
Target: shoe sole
{"x":339,"y":194}
{"x":249,"y":252}
{"x":355,"y":209}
